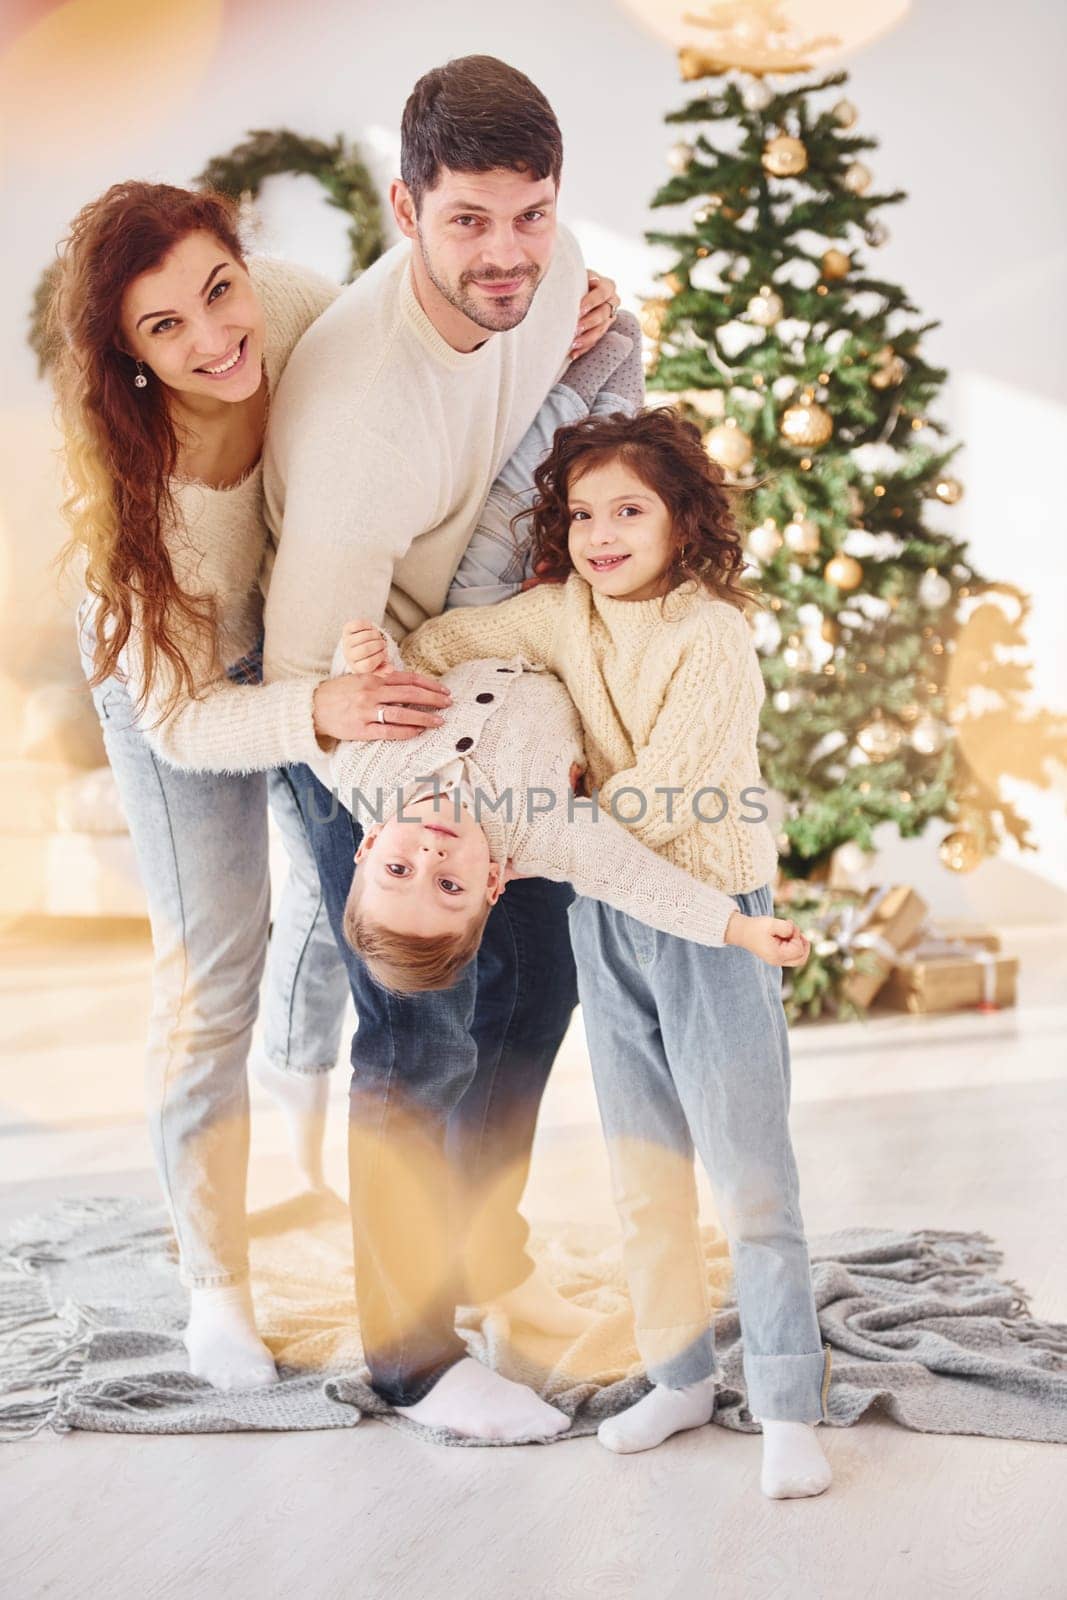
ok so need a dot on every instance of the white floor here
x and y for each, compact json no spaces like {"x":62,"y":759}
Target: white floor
{"x":955,"y":1122}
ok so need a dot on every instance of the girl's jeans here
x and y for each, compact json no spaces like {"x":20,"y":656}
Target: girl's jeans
{"x":689,"y":1046}
{"x":201,"y":846}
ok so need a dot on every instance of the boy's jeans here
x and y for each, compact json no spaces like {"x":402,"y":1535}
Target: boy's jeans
{"x":689,"y":1045}
{"x":201,"y":846}
{"x":446,"y":1087}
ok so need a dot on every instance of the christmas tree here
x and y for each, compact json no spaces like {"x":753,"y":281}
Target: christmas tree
{"x":806,"y":371}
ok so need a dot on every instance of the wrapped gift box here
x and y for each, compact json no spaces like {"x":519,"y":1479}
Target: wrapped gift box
{"x":884,"y":924}
{"x":945,"y":938}
{"x":957,"y":982}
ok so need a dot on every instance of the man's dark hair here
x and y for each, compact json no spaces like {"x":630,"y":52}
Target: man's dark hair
{"x":473,"y":115}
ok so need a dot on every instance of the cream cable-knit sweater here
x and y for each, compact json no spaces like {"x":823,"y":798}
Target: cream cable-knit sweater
{"x":516,"y":732}
{"x":382,"y":447}
{"x":217,"y":547}
{"x":668,"y":692}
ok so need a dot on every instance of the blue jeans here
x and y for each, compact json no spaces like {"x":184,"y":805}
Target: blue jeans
{"x":446,"y":1088}
{"x":201,"y":846}
{"x":689,"y":1046}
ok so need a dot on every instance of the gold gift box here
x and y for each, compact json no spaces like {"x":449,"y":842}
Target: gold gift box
{"x":894,"y":919}
{"x":951,"y":983}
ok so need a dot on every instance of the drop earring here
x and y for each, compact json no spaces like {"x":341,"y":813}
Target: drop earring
{"x":140,"y":382}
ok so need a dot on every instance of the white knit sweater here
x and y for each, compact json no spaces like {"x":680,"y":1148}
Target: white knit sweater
{"x":217,"y":546}
{"x":668,"y":693}
{"x":516,"y":731}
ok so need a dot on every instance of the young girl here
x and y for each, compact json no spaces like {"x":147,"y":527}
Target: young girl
{"x":689,"y":1044}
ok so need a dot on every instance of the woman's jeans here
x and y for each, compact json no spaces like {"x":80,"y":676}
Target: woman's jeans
{"x":689,"y":1046}
{"x":201,"y":846}
{"x":446,"y":1087}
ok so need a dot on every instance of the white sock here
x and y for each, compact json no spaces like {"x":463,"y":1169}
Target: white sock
{"x":657,"y":1415}
{"x":478,"y":1403}
{"x":303,"y":1097}
{"x":538,"y":1304}
{"x":793,"y":1462}
{"x":224,"y":1347}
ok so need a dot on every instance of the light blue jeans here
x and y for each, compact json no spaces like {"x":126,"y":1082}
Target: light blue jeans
{"x":201,"y":846}
{"x":690,"y":1047}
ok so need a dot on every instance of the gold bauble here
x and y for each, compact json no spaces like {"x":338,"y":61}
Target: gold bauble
{"x":784,"y":157}
{"x":928,"y":735}
{"x":889,"y":374}
{"x":653,"y":314}
{"x":949,"y":491}
{"x":680,"y":156}
{"x":836,"y":264}
{"x":765,"y":308}
{"x":844,"y":114}
{"x":844,"y":572}
{"x":830,"y":630}
{"x":857,"y":179}
{"x":729,"y":445}
{"x":764,"y":541}
{"x":880,"y":738}
{"x":674,"y":282}
{"x":802,"y":536}
{"x":807,"y":425}
{"x":959,"y":851}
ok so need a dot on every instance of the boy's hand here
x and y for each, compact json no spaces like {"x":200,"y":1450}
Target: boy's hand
{"x":363,"y":647}
{"x":774,"y":940}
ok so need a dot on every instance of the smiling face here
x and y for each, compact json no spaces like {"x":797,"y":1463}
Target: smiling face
{"x":197,"y":322}
{"x":620,"y":537}
{"x":427,"y":876}
{"x":483,"y":243}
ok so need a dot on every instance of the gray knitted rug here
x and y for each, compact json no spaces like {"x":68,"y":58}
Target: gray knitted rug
{"x":920,"y":1325}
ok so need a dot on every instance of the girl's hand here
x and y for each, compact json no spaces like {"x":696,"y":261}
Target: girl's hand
{"x":347,"y":707}
{"x":540,"y":576}
{"x":363,"y":647}
{"x":595,"y":314}
{"x":774,"y":940}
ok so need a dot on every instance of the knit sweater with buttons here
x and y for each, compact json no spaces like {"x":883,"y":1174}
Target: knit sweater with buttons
{"x":668,"y":692}
{"x":217,"y":541}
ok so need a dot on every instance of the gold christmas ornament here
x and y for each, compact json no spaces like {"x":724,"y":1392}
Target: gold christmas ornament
{"x":934,"y":590}
{"x":889,"y":374}
{"x":653,"y":314}
{"x":765,"y":308}
{"x":844,"y":572}
{"x":830,"y":630}
{"x":764,"y":541}
{"x":880,"y":738}
{"x":784,"y":157}
{"x":949,"y":491}
{"x":806,"y":425}
{"x":844,"y":114}
{"x":802,"y":536}
{"x":857,"y":179}
{"x":729,"y":445}
{"x":836,"y":264}
{"x":680,"y":156}
{"x":928,"y":735}
{"x":756,"y":96}
{"x":959,"y":851}
{"x":674,"y":282}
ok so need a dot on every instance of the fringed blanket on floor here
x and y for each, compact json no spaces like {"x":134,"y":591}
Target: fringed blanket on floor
{"x":91,"y":1314}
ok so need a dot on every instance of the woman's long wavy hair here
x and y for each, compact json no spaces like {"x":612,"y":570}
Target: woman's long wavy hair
{"x":120,"y":443}
{"x":668,"y":455}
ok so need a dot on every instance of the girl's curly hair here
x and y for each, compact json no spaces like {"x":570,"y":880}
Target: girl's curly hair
{"x":668,"y":455}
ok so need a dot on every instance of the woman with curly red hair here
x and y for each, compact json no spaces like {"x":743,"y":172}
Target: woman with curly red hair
{"x":689,"y":1044}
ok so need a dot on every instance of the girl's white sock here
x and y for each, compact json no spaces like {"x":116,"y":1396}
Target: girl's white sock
{"x":224,"y":1347}
{"x":793,"y":1463}
{"x":657,"y":1415}
{"x":478,"y":1403}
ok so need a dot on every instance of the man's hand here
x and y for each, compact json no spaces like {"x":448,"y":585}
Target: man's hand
{"x":774,"y":940}
{"x":347,"y":707}
{"x":363,"y":647}
{"x":595,"y":314}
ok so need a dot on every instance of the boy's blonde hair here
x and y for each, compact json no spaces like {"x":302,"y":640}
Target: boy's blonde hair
{"x":410,"y":963}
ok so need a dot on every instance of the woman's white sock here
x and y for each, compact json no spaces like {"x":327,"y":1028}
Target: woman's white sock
{"x":657,"y":1415}
{"x":224,"y":1347}
{"x":303,"y":1097}
{"x":793,"y":1463}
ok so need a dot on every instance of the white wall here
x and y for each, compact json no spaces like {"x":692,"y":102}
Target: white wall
{"x":965,"y":97}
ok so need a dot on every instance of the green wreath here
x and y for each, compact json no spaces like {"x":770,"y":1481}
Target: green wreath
{"x":241,"y":173}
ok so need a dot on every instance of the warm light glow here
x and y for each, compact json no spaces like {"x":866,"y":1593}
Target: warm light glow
{"x":854,"y":23}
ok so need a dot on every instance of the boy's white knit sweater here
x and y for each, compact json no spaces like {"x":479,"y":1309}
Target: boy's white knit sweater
{"x":217,"y":544}
{"x":516,"y":731}
{"x":668,"y":693}
{"x":383,"y":444}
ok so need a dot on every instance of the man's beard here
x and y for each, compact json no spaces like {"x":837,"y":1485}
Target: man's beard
{"x":493,"y":315}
